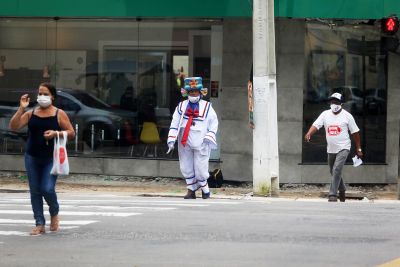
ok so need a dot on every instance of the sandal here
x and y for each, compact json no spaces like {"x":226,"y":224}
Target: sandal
{"x":55,"y":223}
{"x":38,"y":230}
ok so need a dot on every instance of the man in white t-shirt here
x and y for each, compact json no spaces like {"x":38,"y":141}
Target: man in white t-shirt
{"x":337,"y":123}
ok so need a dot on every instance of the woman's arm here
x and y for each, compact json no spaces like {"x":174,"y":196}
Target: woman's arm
{"x":65,"y":124}
{"x":20,"y":118}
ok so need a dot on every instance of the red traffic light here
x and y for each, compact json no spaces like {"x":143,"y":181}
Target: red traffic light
{"x":390,"y":25}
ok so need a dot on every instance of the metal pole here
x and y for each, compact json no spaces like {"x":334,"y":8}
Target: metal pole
{"x":92,"y":138}
{"x":119,"y":140}
{"x":76,"y":137}
{"x":265,"y":133}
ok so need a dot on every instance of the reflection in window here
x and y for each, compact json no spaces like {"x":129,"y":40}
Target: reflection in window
{"x":114,"y":76}
{"x":65,"y":104}
{"x":89,"y":100}
{"x":347,"y":60}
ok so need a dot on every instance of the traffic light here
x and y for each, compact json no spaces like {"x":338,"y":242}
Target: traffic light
{"x":390,"y":25}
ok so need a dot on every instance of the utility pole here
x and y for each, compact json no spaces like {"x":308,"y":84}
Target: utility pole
{"x":265,"y":133}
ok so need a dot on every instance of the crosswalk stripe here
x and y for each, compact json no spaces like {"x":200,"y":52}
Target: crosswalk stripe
{"x":131,"y":201}
{"x":69,"y":222}
{"x":86,"y":208}
{"x":89,"y":208}
{"x":78,"y":213}
{"x":170,"y":204}
{"x":121,"y":208}
{"x":18,"y":233}
{"x":64,"y":202}
{"x":95,"y":207}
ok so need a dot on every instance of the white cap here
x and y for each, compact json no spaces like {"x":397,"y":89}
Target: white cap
{"x":336,"y":96}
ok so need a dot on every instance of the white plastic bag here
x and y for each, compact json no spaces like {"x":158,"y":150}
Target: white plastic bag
{"x":60,"y":157}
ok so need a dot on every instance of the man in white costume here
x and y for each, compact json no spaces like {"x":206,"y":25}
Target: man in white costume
{"x":194,"y":124}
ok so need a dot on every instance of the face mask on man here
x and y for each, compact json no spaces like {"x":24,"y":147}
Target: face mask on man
{"x":44,"y":101}
{"x":335,"y":108}
{"x":194,"y":99}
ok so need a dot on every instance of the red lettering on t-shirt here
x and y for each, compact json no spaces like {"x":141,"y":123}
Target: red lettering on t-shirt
{"x":334,"y":130}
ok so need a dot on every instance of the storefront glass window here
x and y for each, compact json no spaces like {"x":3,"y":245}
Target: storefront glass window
{"x":351,"y":60}
{"x":119,"y":80}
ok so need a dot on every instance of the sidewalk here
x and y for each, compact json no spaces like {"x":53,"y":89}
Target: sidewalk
{"x":175,"y":187}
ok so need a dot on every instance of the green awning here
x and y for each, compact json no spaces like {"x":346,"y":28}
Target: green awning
{"x":341,"y":9}
{"x":126,"y":8}
{"x":352,"y":9}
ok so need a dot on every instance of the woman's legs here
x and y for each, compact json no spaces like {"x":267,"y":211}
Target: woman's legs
{"x":48,"y":188}
{"x":33,"y":170}
{"x":41,"y":184}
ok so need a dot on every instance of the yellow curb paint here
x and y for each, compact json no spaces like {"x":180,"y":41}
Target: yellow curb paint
{"x":393,"y":263}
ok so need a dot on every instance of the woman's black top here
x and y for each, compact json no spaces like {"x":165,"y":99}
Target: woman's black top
{"x":37,"y":145}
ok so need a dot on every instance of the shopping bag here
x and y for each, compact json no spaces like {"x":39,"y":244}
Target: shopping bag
{"x":60,"y":157}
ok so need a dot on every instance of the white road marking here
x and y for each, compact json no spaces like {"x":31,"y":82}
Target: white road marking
{"x":96,"y":207}
{"x":18,"y":233}
{"x":61,"y":226}
{"x":77,"y":213}
{"x":133,"y":201}
{"x":70,"y":202}
{"x":170,"y":204}
{"x":99,"y":207}
{"x":67,"y":227}
{"x":77,"y":222}
{"x":120,"y":208}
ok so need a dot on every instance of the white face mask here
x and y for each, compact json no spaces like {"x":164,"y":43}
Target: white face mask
{"x":335,"y":108}
{"x":194,"y":99}
{"x":44,"y":101}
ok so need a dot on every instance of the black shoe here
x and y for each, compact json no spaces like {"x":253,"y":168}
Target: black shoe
{"x":190,"y":195}
{"x":332,"y":198}
{"x":205,"y":195}
{"x":342,"y":196}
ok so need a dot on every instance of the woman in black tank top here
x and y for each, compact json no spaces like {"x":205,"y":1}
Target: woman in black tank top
{"x":43,"y":124}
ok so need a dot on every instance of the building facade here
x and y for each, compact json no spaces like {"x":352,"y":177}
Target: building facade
{"x":119,"y":66}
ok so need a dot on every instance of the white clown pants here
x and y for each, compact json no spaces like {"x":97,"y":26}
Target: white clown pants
{"x":194,"y":166}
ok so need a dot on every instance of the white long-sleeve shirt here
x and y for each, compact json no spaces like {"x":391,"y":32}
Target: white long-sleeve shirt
{"x":205,"y":126}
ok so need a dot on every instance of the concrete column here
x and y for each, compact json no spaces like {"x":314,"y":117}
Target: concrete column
{"x":236,"y":136}
{"x":393,"y":120}
{"x":265,"y":133}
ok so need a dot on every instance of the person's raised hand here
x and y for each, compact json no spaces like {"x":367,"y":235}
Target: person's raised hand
{"x":24,"y":101}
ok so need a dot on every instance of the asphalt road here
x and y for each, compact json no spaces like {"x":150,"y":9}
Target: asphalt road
{"x":122,"y":230}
